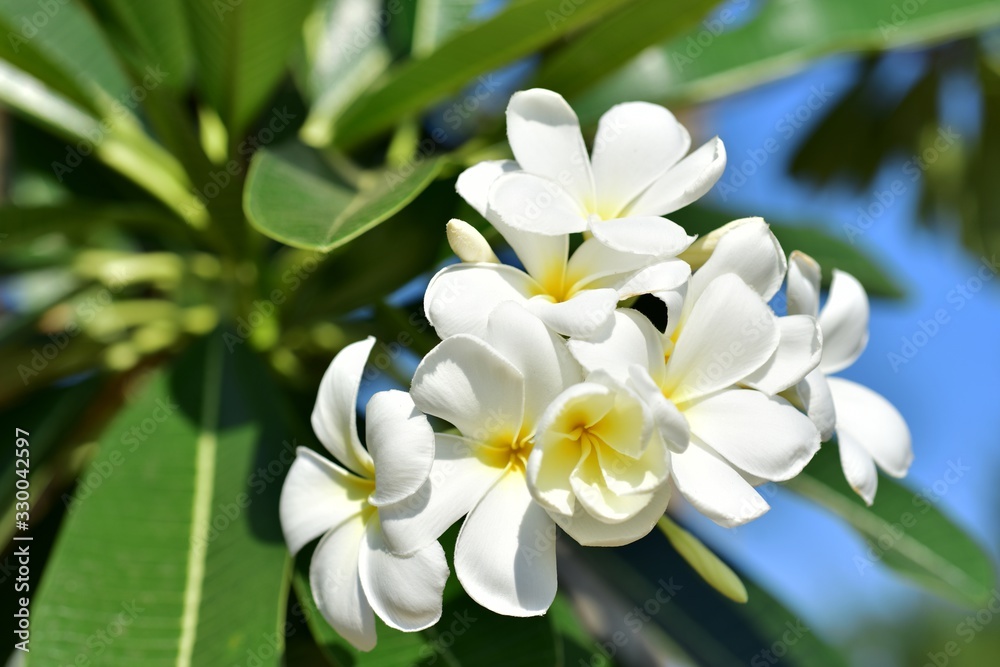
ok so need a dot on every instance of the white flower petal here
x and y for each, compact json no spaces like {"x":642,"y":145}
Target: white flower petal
{"x":632,"y":340}
{"x":656,"y":237}
{"x":729,"y":334}
{"x":544,"y":134}
{"x":505,"y":555}
{"x":467,"y":383}
{"x":540,"y":355}
{"x":683,"y":183}
{"x":592,"y":532}
{"x":586,"y":314}
{"x":473,"y":184}
{"x":635,"y":143}
{"x":859,"y":467}
{"x":627,"y":476}
{"x":550,"y":465}
{"x":662,"y":276}
{"x":799,"y":350}
{"x":336,"y":585}
{"x":405,"y":591}
{"x":750,"y":250}
{"x":531,"y":203}
{"x":715,"y":488}
{"x":766,"y":437}
{"x":461,"y":473}
{"x":317,"y":495}
{"x":591,"y":491}
{"x":334,"y":417}
{"x":670,"y":423}
{"x":874,"y":423}
{"x":543,"y":256}
{"x":401,"y":442}
{"x":844,"y":321}
{"x":803,"y":284}
{"x":593,"y":262}
{"x":460,"y":298}
{"x":813,"y":396}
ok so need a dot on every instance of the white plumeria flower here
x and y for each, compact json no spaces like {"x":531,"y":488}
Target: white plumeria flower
{"x":575,"y":295}
{"x":748,"y":249}
{"x":494,"y":391}
{"x":638,"y":171}
{"x":354,"y":574}
{"x":721,"y":434}
{"x":597,"y":466}
{"x":869,"y":429}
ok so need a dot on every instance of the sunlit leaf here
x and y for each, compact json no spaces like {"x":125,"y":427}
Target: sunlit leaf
{"x":178,"y":544}
{"x":904,"y":529}
{"x":290,"y":199}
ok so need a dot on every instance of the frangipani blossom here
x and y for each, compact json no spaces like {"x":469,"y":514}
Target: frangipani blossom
{"x":748,"y":249}
{"x":637,"y":172}
{"x":721,"y":433}
{"x":353,"y":573}
{"x":575,"y":295}
{"x":597,"y":466}
{"x":869,"y":429}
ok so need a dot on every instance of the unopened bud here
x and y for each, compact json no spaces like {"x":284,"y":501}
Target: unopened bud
{"x":698,"y":252}
{"x":468,"y":243}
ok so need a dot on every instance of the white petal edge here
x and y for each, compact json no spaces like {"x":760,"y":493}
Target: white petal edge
{"x":799,"y":350}
{"x":336,"y":584}
{"x":715,"y":489}
{"x":334,"y":416}
{"x":684,"y":183}
{"x":405,"y":591}
{"x":844,"y":321}
{"x":401,"y":442}
{"x":460,"y":297}
{"x":872,"y":421}
{"x":505,"y":555}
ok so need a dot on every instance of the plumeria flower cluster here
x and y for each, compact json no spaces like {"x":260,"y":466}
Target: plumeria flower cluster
{"x":565,"y":410}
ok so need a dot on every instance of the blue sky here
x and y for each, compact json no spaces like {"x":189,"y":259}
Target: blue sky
{"x":948,"y":391}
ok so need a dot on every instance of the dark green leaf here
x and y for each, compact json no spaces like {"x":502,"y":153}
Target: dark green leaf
{"x":242,"y":50}
{"x":520,"y":30}
{"x":613,"y":42}
{"x":289,"y":198}
{"x":904,"y":530}
{"x":724,"y":56}
{"x":173,"y":541}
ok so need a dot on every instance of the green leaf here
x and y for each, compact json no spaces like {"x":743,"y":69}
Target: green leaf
{"x":652,"y":596}
{"x":467,"y":634}
{"x":437,"y":20}
{"x":711,"y":568}
{"x":613,"y":42}
{"x":779,"y":38}
{"x":156,"y":35}
{"x":904,"y":529}
{"x":810,"y":238}
{"x":292,"y":198}
{"x":131,"y":153}
{"x":242,"y":50}
{"x":520,"y":30}
{"x":341,"y":61}
{"x":174,"y":541}
{"x":60,"y":44}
